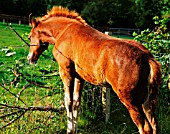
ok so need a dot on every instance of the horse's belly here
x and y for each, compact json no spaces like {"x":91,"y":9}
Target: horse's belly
{"x":94,"y":77}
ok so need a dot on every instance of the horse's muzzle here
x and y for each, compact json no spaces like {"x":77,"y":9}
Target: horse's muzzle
{"x":30,"y":59}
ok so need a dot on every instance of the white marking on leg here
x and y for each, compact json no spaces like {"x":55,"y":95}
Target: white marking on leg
{"x":76,"y":101}
{"x":70,"y":126}
{"x":76,"y":104}
{"x":68,"y":105}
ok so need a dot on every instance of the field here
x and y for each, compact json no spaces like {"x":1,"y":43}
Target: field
{"x":24,"y":86}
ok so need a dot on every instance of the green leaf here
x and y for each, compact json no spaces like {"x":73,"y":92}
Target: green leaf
{"x":155,"y":18}
{"x":134,"y":34}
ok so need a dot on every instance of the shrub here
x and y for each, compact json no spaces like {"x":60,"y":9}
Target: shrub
{"x":158,"y":42}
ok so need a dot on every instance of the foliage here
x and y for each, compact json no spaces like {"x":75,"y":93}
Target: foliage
{"x":158,"y":42}
{"x":146,"y":10}
{"x":108,"y":12}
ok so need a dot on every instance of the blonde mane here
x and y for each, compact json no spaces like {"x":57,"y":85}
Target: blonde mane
{"x":58,"y":11}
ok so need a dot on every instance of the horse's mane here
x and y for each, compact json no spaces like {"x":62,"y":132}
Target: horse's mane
{"x":58,"y":11}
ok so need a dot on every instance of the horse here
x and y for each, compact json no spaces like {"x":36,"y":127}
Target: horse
{"x":86,"y":54}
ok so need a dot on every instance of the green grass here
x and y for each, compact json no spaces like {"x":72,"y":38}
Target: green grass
{"x":123,"y":36}
{"x":42,"y":86}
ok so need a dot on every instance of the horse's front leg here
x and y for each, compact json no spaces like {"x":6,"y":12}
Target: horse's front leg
{"x":78,"y":86}
{"x":68,"y":81}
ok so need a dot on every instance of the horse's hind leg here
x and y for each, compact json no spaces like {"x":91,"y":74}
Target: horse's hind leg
{"x":149,"y":110}
{"x":136,"y":113}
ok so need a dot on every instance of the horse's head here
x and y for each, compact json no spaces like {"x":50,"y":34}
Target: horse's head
{"x":38,"y":43}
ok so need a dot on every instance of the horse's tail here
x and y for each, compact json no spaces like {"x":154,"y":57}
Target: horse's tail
{"x":150,"y":103}
{"x":155,"y":81}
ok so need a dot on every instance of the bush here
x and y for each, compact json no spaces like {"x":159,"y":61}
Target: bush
{"x":158,"y":42}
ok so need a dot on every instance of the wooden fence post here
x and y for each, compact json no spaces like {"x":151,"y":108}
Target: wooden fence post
{"x":106,"y":98}
{"x":106,"y":103}
{"x":19,"y":22}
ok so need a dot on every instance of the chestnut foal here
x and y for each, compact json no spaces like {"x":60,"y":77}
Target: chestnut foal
{"x":83,"y":53}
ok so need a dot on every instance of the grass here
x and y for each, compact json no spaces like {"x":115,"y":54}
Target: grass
{"x":122,"y":36}
{"x":42,"y":86}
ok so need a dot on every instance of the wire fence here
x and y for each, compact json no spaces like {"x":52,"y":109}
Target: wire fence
{"x":32,"y":98}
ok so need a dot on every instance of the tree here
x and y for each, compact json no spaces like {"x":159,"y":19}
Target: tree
{"x":146,"y":10}
{"x":4,"y":9}
{"x":98,"y":13}
{"x":25,"y":7}
{"x":116,"y":13}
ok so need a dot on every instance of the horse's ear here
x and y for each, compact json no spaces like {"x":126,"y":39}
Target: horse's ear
{"x":32,"y":21}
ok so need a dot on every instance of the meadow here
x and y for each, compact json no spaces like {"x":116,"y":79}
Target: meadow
{"x":24,"y":86}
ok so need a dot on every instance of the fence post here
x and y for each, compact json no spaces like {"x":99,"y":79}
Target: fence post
{"x":19,"y":22}
{"x":106,"y":103}
{"x":106,"y":99}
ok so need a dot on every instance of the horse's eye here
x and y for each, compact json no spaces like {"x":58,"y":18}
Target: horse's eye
{"x":29,"y":37}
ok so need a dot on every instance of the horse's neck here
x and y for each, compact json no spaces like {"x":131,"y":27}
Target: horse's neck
{"x":62,"y":30}
{"x":57,"y":27}
{"x":55,"y":30}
